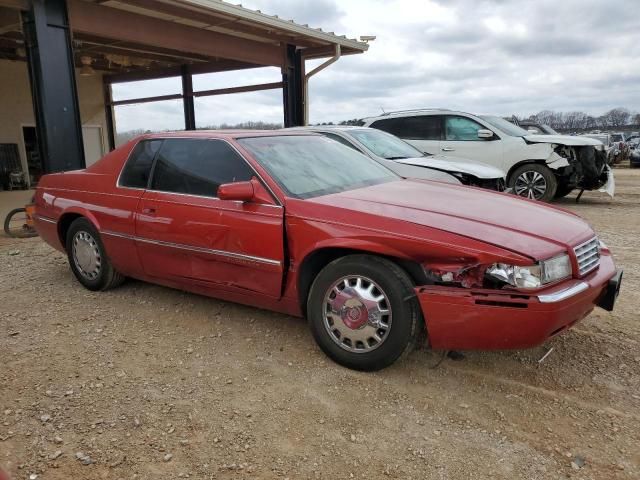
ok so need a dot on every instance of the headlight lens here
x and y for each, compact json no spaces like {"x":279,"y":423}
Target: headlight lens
{"x":532,"y":276}
{"x":555,"y":268}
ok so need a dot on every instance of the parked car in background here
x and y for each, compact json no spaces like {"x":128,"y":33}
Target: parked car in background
{"x":409,"y":162}
{"x":538,"y":167}
{"x":611,"y":148}
{"x":634,"y":158}
{"x":300,"y":224}
{"x":535,"y":128}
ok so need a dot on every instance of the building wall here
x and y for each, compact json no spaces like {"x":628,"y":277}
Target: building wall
{"x":16,"y":108}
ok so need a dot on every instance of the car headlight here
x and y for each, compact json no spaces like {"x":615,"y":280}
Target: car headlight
{"x":532,"y":276}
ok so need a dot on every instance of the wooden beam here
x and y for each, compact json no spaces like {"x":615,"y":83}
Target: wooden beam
{"x":196,"y":69}
{"x":158,"y":98}
{"x":17,"y":4}
{"x":131,"y":27}
{"x":245,"y":88}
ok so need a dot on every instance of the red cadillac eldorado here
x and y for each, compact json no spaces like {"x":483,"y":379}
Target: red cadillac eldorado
{"x":303,"y":225}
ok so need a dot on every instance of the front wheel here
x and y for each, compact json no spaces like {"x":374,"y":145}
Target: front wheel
{"x":363,"y":313}
{"x":534,"y":181}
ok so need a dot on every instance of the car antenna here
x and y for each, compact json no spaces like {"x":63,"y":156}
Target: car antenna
{"x":382,"y":108}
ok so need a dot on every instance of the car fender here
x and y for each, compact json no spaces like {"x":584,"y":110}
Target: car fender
{"x":80,"y":211}
{"x":355,"y":244}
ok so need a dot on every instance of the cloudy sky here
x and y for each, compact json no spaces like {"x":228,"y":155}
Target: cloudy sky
{"x":482,"y":56}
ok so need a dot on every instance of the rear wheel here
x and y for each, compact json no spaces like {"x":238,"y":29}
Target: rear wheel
{"x":88,"y":258}
{"x":363,"y":313}
{"x":534,"y":181}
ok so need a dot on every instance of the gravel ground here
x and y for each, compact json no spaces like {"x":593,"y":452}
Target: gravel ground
{"x":147,"y":382}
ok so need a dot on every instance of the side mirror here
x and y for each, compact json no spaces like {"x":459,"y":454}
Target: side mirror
{"x":240,"y":191}
{"x":484,"y":133}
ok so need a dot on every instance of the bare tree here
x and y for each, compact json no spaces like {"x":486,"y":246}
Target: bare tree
{"x":617,"y":117}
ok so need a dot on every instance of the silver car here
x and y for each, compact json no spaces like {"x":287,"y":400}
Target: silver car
{"x":407,"y":161}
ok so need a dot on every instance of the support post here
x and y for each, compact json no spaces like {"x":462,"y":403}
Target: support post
{"x":293,"y":87}
{"x":108,"y":113}
{"x":187,"y":98}
{"x":53,"y":85}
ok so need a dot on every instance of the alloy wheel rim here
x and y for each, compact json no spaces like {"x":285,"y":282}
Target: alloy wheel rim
{"x":530,"y":184}
{"x":357,"y":314}
{"x":86,"y":255}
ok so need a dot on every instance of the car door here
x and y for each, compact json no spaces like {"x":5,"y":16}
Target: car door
{"x":460,"y":139}
{"x":186,"y":234}
{"x":421,"y":131}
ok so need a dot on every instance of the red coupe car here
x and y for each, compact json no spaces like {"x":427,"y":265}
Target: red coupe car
{"x":301,"y":224}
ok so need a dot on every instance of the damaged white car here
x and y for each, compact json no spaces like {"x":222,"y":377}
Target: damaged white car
{"x":540,"y":167}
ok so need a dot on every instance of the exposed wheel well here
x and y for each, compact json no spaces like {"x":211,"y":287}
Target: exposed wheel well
{"x":317,"y":260}
{"x":63,"y":226}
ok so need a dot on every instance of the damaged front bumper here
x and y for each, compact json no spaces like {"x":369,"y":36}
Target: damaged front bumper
{"x":482,"y":319}
{"x":583,"y":167}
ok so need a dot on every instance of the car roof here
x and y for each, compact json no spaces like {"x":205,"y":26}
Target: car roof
{"x":226,"y":134}
{"x":414,"y":112}
{"x":314,"y":128}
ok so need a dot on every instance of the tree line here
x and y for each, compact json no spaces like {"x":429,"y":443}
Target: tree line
{"x":615,"y":118}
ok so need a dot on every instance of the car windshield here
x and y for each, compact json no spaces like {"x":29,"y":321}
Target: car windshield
{"x":505,"y":126}
{"x":308,"y":166}
{"x":549,"y":130}
{"x":384,"y":144}
{"x":617,"y":137}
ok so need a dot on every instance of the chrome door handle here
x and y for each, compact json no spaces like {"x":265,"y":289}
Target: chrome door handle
{"x":149,"y":210}
{"x":448,"y":149}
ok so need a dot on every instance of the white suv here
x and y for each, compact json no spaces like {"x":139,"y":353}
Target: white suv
{"x":539,"y":167}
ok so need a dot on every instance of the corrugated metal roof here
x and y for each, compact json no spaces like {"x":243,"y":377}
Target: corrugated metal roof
{"x":272,"y":21}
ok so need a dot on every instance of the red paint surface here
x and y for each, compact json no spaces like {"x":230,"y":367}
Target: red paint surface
{"x":427,"y":223}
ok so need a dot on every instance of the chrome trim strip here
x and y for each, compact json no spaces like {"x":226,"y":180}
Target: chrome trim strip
{"x":209,"y":251}
{"x":45,"y":219}
{"x":564,"y":294}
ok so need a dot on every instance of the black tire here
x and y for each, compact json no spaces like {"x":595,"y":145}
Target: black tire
{"x":16,"y":226}
{"x":406,"y":323}
{"x":106,"y":276}
{"x":539,"y":175}
{"x":563,"y":190}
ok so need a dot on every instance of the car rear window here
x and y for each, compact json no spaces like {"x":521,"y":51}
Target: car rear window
{"x":135,"y":173}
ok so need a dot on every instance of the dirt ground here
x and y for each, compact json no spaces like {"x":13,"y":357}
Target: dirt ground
{"x":147,"y":382}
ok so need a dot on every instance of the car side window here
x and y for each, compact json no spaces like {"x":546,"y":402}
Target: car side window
{"x":389,"y":125}
{"x":135,"y":173}
{"x":419,"y":127}
{"x":198,"y":167}
{"x":423,"y":127}
{"x":461,"y":128}
{"x":343,"y":141}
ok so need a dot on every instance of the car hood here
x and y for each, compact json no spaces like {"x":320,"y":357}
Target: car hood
{"x":573,"y":141}
{"x":455,"y":164}
{"x":529,"y":228}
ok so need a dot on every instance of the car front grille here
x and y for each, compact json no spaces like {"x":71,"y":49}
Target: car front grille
{"x":588,"y":255}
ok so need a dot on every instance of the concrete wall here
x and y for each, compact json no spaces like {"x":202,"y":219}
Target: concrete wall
{"x":16,"y":108}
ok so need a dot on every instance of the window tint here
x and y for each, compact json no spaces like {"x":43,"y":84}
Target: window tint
{"x":461,"y":129}
{"x":136,"y":172}
{"x":343,"y":141}
{"x":390,"y":125}
{"x":422,"y":127}
{"x":198,"y":167}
